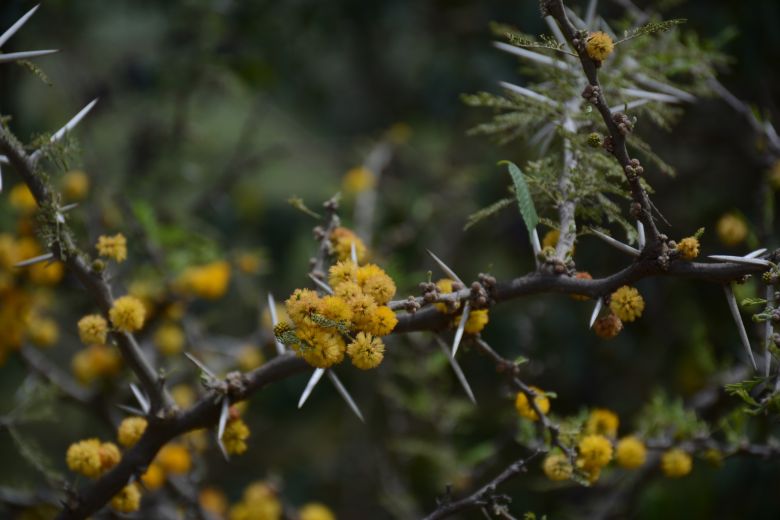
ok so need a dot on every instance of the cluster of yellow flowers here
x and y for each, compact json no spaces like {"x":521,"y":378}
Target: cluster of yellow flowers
{"x":342,"y":240}
{"x":477,"y":319}
{"x":524,"y":407}
{"x":358,"y":180}
{"x":235,"y":436}
{"x":260,"y":501}
{"x":688,"y":248}
{"x":356,"y":310}
{"x":209,"y":281}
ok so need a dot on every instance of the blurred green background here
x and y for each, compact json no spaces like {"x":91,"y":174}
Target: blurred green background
{"x":213,"y":113}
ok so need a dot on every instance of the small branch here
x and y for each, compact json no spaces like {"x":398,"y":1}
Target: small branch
{"x":39,"y":364}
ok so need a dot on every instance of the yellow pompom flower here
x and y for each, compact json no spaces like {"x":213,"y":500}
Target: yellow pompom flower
{"x":550,"y":238}
{"x":676,"y":463}
{"x":321,"y":348}
{"x":75,"y":185}
{"x":208,"y":281}
{"x":363,"y":310}
{"x":688,"y":248}
{"x":249,"y":358}
{"x":445,"y":286}
{"x":524,"y":407}
{"x":93,"y":328}
{"x":169,"y":339}
{"x":382,"y":322}
{"x":114,"y":247}
{"x":259,"y":503}
{"x":154,"y":477}
{"x":599,"y":45}
{"x":374,"y":282}
{"x":341,"y":272}
{"x":128,"y":500}
{"x":235,"y":436}
{"x":130,"y":431}
{"x":43,"y":332}
{"x":358,"y":180}
{"x":84,"y":457}
{"x":214,"y":501}
{"x":476,"y":322}
{"x":301,"y":304}
{"x":109,"y":456}
{"x":630,"y":452}
{"x":249,"y":263}
{"x":335,"y":308}
{"x":341,"y":239}
{"x":127,"y":314}
{"x":95,"y":361}
{"x":315,"y":511}
{"x":348,"y":291}
{"x":183,"y":395}
{"x":21,"y":198}
{"x":556,"y":466}
{"x":731,"y":229}
{"x":174,"y":458}
{"x":627,"y":304}
{"x":595,"y":451}
{"x":46,"y":273}
{"x":602,"y":422}
{"x":366,"y":351}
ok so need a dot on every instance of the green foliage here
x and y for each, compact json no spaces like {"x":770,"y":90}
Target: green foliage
{"x":525,"y":202}
{"x":668,"y":417}
{"x":651,"y":28}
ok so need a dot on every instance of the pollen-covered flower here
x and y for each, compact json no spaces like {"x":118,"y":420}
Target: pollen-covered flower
{"x":169,"y":339}
{"x":602,"y":422}
{"x":446,"y":286}
{"x":607,"y":327}
{"x":599,"y":45}
{"x":130,"y":431}
{"x":357,"y":180}
{"x":627,"y":303}
{"x":557,"y":467}
{"x":476,"y":322}
{"x":154,"y":477}
{"x":731,"y":229}
{"x":363,"y":310}
{"x":43,"y":332}
{"x":374,"y":282}
{"x":347,"y":291}
{"x":235,"y":436}
{"x":315,"y":511}
{"x":321,"y":348}
{"x":382,"y":322}
{"x":341,"y":239}
{"x":688,"y":248}
{"x":46,"y":273}
{"x":84,"y":457}
{"x":93,"y":328}
{"x":114,"y":247}
{"x":75,"y":185}
{"x":550,"y":238}
{"x":301,"y":304}
{"x":259,"y":502}
{"x":676,"y":463}
{"x":630,"y":452}
{"x":174,"y":458}
{"x":209,"y":281}
{"x":95,"y":361}
{"x":128,"y":500}
{"x":341,"y":272}
{"x":524,"y":407}
{"x":109,"y":456}
{"x":595,"y":451}
{"x":336,"y":309}
{"x":127,"y":314}
{"x":366,"y":351}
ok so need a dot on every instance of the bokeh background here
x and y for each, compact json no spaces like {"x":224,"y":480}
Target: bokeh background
{"x":212,"y":114}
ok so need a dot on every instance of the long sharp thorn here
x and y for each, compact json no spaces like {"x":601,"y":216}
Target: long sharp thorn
{"x":70,"y":125}
{"x":458,"y":371}
{"x":732,"y":301}
{"x":342,"y":390}
{"x":223,"y":417}
{"x":615,"y":243}
{"x":527,"y":93}
{"x":18,"y":25}
{"x":353,"y":253}
{"x":631,"y":104}
{"x":533,"y":56}
{"x":741,"y":260}
{"x":640,"y":231}
{"x":313,"y":380}
{"x":536,"y":245}
{"x":595,"y":313}
{"x":461,"y":327}
{"x":68,"y":207}
{"x":444,"y":267}
{"x":275,"y":321}
{"x":590,"y":13}
{"x":4,"y":159}
{"x":130,"y":409}
{"x":24,"y":55}
{"x":651,"y":96}
{"x":770,"y":299}
{"x":322,"y":285}
{"x":754,"y":254}
{"x":140,"y":397}
{"x":200,"y":365}
{"x":35,"y":260}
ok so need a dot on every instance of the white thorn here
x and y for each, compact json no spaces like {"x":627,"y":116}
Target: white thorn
{"x":741,"y":260}
{"x":141,"y":398}
{"x":313,"y":380}
{"x":35,"y":260}
{"x":4,"y":159}
{"x":461,"y":327}
{"x":444,"y":267}
{"x":615,"y":243}
{"x":200,"y":365}
{"x":732,"y":301}
{"x":650,"y":96}
{"x":16,"y":56}
{"x":130,"y":409}
{"x":628,"y":106}
{"x":555,"y":29}
{"x":342,"y":390}
{"x":663,"y":87}
{"x":223,"y":417}
{"x":68,"y":207}
{"x":527,"y":93}
{"x":596,"y":311}
{"x":15,"y":27}
{"x":322,"y":285}
{"x":533,"y":56}
{"x":353,"y":253}
{"x":536,"y":245}
{"x":770,"y":299}
{"x":75,"y":120}
{"x":275,"y":321}
{"x":757,"y":252}
{"x":640,"y":231}
{"x":590,"y":12}
{"x":456,"y":368}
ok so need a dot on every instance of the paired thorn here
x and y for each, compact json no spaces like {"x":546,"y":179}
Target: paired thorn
{"x":342,"y":390}
{"x":35,"y":260}
{"x":741,"y":260}
{"x":141,"y":398}
{"x":70,"y":125}
{"x":313,"y":380}
{"x":456,"y":368}
{"x":353,"y":253}
{"x":616,"y":243}
{"x":16,"y":56}
{"x":275,"y":321}
{"x":444,"y":267}
{"x":461,"y":328}
{"x":533,"y":56}
{"x":596,"y":311}
{"x":322,"y":285}
{"x":732,"y":301}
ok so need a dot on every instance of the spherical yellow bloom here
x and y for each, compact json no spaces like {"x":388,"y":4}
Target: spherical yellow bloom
{"x":358,"y":180}
{"x":93,"y":328}
{"x":630,"y":452}
{"x":627,"y":304}
{"x":249,"y":358}
{"x":445,"y":286}
{"x":154,"y":477}
{"x":557,"y":466}
{"x":321,"y":348}
{"x":169,"y":339}
{"x":114,"y":247}
{"x":382,"y":322}
{"x":550,"y":238}
{"x":341,"y":239}
{"x":235,"y":436}
{"x":130,"y":431}
{"x":376,"y":283}
{"x":595,"y":451}
{"x":128,"y":500}
{"x":476,"y":322}
{"x":524,"y":407}
{"x":602,"y":422}
{"x":249,"y":263}
{"x":183,"y":395}
{"x":599,"y":45}
{"x":675,"y":463}
{"x":75,"y":185}
{"x":731,"y":229}
{"x":46,"y":273}
{"x":688,"y":248}
{"x":127,"y":314}
{"x":315,"y":511}
{"x":21,"y":198}
{"x":591,"y":473}
{"x":174,"y":458}
{"x":341,"y":272}
{"x":208,"y":281}
{"x":366,"y":351}
{"x":607,"y":327}
{"x":95,"y":361}
{"x":214,"y":501}
{"x":363,"y":310}
{"x":335,"y":308}
{"x":84,"y":457}
{"x":348,"y":291}
{"x":301,"y":304}
{"x":259,"y":503}
{"x":43,"y":331}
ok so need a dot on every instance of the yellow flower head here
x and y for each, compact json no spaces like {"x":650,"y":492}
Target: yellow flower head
{"x":476,"y":322}
{"x":128,"y":500}
{"x":22,"y":198}
{"x":630,"y":452}
{"x":259,"y":502}
{"x":127,"y":314}
{"x":445,"y":286}
{"x":169,"y":339}
{"x":249,"y":358}
{"x":335,"y":308}
{"x":688,"y":248}
{"x":607,"y":327}
{"x":376,"y":283}
{"x":602,"y":422}
{"x":731,"y":229}
{"x":358,"y":180}
{"x":341,"y":272}
{"x":208,"y":281}
{"x":524,"y":407}
{"x":249,"y":263}
{"x":174,"y":458}
{"x":130,"y":431}
{"x":315,"y":511}
{"x":235,"y":436}
{"x":348,"y":291}
{"x":557,"y":466}
{"x":627,"y":304}
{"x":154,"y":477}
{"x":676,"y":463}
{"x":93,"y":328}
{"x":595,"y":451}
{"x":84,"y":457}
{"x":382,"y":322}
{"x":301,"y":304}
{"x":550,"y":238}
{"x":214,"y":501}
{"x":43,"y":331}
{"x":363,"y":310}
{"x":342,"y":239}
{"x":366,"y":351}
{"x":183,"y":395}
{"x":114,"y":247}
{"x":109,"y":456}
{"x":95,"y":361}
{"x":45,"y":273}
{"x":321,"y":348}
{"x":75,"y":185}
{"x":599,"y":45}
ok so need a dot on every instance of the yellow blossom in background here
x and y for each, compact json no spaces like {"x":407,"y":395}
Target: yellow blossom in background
{"x":382,"y":322}
{"x":259,"y":502}
{"x":183,"y":395}
{"x":595,"y":451}
{"x":366,"y":351}
{"x":445,"y":286}
{"x":128,"y":500}
{"x":96,"y":361}
{"x":249,"y":263}
{"x":169,"y":339}
{"x":46,"y":273}
{"x":602,"y":422}
{"x":281,"y":316}
{"x":208,"y":281}
{"x":213,"y":500}
{"x":235,"y":436}
{"x":556,"y":466}
{"x":130,"y":431}
{"x":599,"y":45}
{"x":731,"y":229}
{"x":341,"y":272}
{"x":154,"y":477}
{"x":676,"y":463}
{"x":93,"y":328}
{"x":550,"y":238}
{"x":9,"y":251}
{"x":341,"y":239}
{"x":315,"y":511}
{"x":21,"y":198}
{"x":127,"y":314}
{"x":249,"y":358}
{"x":399,"y":133}
{"x":114,"y":247}
{"x":75,"y":185}
{"x":83,"y":457}
{"x":688,"y":248}
{"x":358,"y":180}
{"x":627,"y":304}
{"x":476,"y":322}
{"x":524,"y":407}
{"x":109,"y":456}
{"x":630,"y":452}
{"x":174,"y":458}
{"x":43,"y":332}
{"x":582,"y":275}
